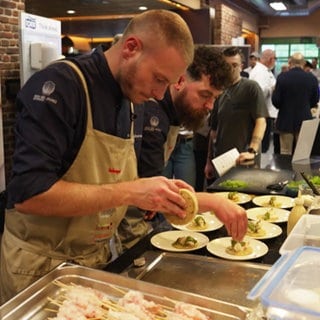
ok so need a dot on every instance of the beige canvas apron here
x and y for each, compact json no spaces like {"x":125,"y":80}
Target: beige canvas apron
{"x":33,"y":245}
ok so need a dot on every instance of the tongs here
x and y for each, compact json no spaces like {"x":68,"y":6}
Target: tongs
{"x":277,"y":186}
{"x":310,"y":184}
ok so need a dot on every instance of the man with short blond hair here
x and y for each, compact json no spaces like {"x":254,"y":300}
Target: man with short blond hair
{"x":74,"y":166}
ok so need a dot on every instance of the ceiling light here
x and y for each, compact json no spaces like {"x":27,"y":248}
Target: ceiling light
{"x":278,"y":6}
{"x":71,"y":12}
{"x":143,"y":8}
{"x":175,"y":4}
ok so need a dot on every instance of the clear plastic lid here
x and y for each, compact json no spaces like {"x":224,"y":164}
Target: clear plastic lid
{"x":292,"y":284}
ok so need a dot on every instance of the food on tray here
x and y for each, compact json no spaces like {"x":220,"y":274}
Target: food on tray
{"x":269,"y":215}
{"x":239,"y":248}
{"x":186,"y":242}
{"x":295,"y":184}
{"x":184,"y":311}
{"x":77,"y":302}
{"x":255,"y":229}
{"x":233,"y":184}
{"x":234,"y":196}
{"x":191,"y":209}
{"x":198,"y":223}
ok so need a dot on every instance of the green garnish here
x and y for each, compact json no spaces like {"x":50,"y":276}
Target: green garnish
{"x":233,"y":184}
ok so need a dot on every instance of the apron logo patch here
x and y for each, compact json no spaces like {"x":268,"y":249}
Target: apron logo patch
{"x":114,"y":170}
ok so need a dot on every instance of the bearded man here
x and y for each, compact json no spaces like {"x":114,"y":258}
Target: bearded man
{"x":186,"y":104}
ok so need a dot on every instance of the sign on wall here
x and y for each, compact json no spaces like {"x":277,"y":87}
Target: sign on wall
{"x":40,"y":43}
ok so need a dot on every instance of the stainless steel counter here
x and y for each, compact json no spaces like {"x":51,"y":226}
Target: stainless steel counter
{"x":228,"y":281}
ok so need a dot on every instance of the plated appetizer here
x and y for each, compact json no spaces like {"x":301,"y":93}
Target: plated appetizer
{"x":239,"y":248}
{"x":198,"y":223}
{"x":255,"y":229}
{"x":187,"y":242}
{"x":269,"y":215}
{"x":234,"y":196}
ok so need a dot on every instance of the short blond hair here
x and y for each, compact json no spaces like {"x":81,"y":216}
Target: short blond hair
{"x":162,"y":27}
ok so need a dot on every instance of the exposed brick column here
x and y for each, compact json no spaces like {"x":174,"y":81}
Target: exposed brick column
{"x":227,"y":24}
{"x":9,"y":69}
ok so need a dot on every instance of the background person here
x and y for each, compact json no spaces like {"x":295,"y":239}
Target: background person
{"x":315,"y":68}
{"x":74,"y":166}
{"x":262,"y":73}
{"x":253,"y":59}
{"x":182,"y":163}
{"x":238,"y":117}
{"x":295,"y":94}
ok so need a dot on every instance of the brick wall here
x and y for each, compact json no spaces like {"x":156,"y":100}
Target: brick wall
{"x":9,"y":69}
{"x":227,"y":24}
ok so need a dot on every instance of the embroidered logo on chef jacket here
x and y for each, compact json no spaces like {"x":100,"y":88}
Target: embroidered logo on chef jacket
{"x":154,"y":122}
{"x":47,"y":89}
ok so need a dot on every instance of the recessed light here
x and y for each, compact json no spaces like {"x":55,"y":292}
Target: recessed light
{"x":278,"y":6}
{"x":71,"y":11}
{"x":143,"y":8}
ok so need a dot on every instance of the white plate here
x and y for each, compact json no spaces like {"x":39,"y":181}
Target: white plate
{"x":257,"y":213}
{"x":218,"y":248}
{"x":271,"y":229}
{"x":212,"y":223}
{"x":165,"y":239}
{"x":243,"y":197}
{"x":281,"y":201}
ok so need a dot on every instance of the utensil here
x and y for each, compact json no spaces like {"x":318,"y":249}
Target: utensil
{"x":277,"y":186}
{"x":310,"y":184}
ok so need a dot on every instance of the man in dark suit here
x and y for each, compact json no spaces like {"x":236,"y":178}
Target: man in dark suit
{"x":296,"y":92}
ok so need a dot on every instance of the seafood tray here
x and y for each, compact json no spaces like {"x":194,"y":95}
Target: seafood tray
{"x":33,"y":302}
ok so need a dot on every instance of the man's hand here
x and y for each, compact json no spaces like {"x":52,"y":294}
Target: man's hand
{"x":158,"y":194}
{"x":245,"y":158}
{"x":233,"y":216}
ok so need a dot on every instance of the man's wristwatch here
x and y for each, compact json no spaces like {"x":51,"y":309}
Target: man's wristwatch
{"x":251,"y":150}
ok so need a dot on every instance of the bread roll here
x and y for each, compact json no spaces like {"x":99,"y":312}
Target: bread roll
{"x":191,"y":209}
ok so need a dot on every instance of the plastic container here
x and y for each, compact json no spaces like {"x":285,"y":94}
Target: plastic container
{"x":306,"y":232}
{"x":290,"y":290}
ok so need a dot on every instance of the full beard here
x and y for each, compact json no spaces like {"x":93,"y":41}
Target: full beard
{"x":190,"y":118}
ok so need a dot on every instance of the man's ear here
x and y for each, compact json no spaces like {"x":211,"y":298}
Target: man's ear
{"x":131,"y":46}
{"x":181,"y":83}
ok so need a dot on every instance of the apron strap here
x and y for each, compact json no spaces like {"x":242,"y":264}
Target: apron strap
{"x":85,"y":87}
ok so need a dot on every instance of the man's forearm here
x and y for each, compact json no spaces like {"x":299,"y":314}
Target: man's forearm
{"x":68,"y":199}
{"x":258,"y":133}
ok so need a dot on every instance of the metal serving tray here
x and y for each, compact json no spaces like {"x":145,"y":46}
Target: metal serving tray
{"x":257,"y":180}
{"x":32,"y":303}
{"x":224,"y":280}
